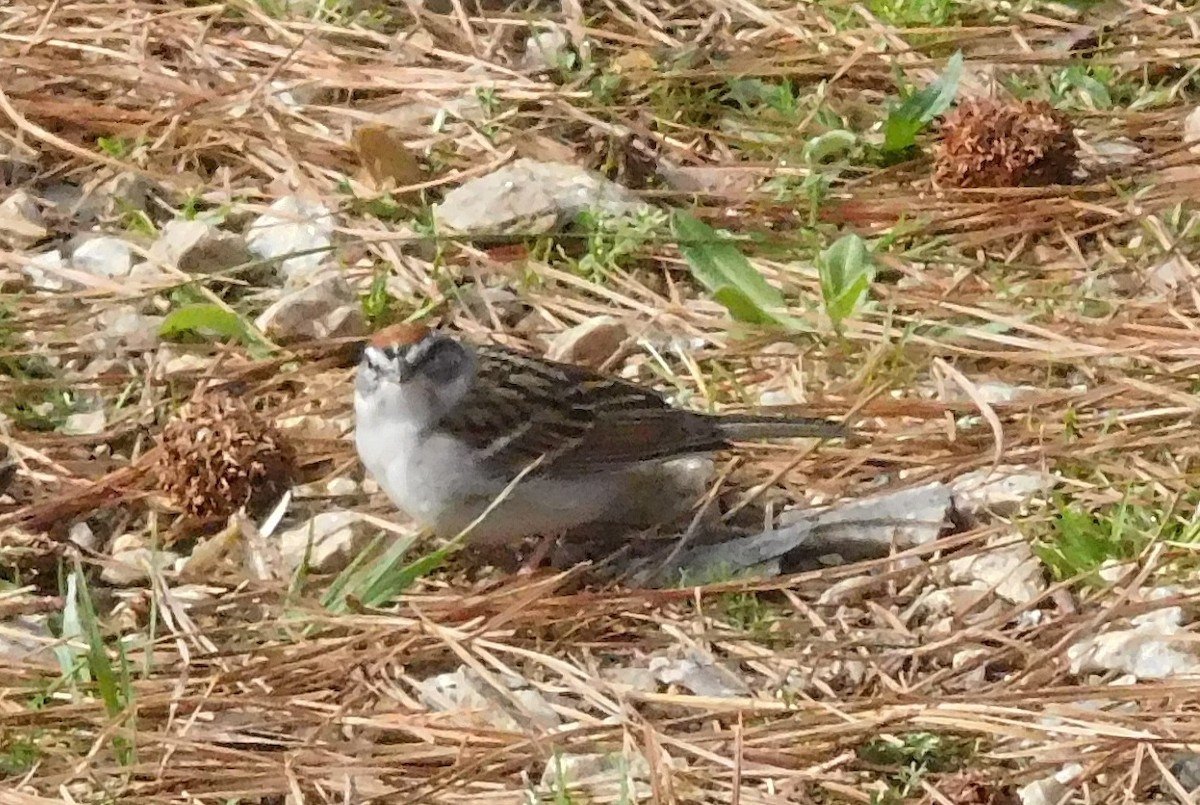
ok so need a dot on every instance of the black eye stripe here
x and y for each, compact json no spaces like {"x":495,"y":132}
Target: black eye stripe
{"x":423,"y":351}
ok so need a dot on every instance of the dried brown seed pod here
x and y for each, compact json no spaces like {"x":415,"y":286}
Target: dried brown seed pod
{"x":218,"y":455}
{"x":986,"y":143}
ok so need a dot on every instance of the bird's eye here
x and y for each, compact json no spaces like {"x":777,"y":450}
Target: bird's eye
{"x":442,"y":362}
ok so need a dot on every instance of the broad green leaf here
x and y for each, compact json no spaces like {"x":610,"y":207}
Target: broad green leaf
{"x":740,"y":306}
{"x":203,"y":319}
{"x":721,"y":267}
{"x":905,"y":121}
{"x":900,"y":133}
{"x":846,"y":271}
{"x":209,"y":320}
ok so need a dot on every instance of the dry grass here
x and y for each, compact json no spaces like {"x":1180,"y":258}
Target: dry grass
{"x":240,"y":689}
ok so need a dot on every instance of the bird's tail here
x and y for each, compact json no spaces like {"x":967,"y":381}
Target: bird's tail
{"x":750,"y":427}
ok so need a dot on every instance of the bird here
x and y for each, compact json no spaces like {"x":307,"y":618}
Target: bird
{"x":449,"y":428}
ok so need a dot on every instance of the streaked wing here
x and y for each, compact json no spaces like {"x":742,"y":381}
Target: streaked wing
{"x":577,"y":419}
{"x":629,"y":437}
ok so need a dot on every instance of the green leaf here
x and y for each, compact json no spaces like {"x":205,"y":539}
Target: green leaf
{"x":907,"y":119}
{"x":114,"y":688}
{"x":341,"y":587}
{"x":846,"y":271}
{"x":829,"y":145}
{"x":98,"y":660}
{"x":390,"y":576}
{"x":741,"y":306}
{"x":203,"y":319}
{"x":720,"y":266}
{"x":209,"y":320}
{"x":374,"y":578}
{"x":67,"y":652}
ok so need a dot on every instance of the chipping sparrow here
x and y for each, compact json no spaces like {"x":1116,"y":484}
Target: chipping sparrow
{"x":444,"y":426}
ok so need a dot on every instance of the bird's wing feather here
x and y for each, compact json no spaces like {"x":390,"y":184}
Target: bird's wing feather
{"x":577,"y":419}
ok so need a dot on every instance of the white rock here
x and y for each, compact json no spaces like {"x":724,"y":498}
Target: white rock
{"x":1173,"y":273}
{"x":641,"y":680}
{"x":1112,"y":571}
{"x":699,"y":674}
{"x":458,"y":692}
{"x":474,"y":702}
{"x":806,"y":539}
{"x":327,"y":309}
{"x":126,"y":542}
{"x":103,"y":257}
{"x":26,"y":638}
{"x":610,"y":777}
{"x":177,"y":364}
{"x":532,"y":707}
{"x":1186,"y":768}
{"x":1153,"y":649}
{"x":1112,"y":153}
{"x":336,"y":537}
{"x":730,"y":182}
{"x":1013,"y":570}
{"x":547,"y":49}
{"x":851,"y":590}
{"x":198,"y":247}
{"x":124,"y":192}
{"x":950,"y":600}
{"x":44,"y":271}
{"x":967,"y":655}
{"x":589,"y":344}
{"x":313,"y":426}
{"x":977,"y":676}
{"x":1002,"y":490}
{"x":1050,"y":790}
{"x":21,"y":222}
{"x":991,"y":391}
{"x":1030,"y":618}
{"x":296,"y":94}
{"x":293,"y":225}
{"x":530,"y":197}
{"x":341,"y":486}
{"x":18,"y":163}
{"x":776,"y":397}
{"x":123,"y":327}
{"x":85,"y":423}
{"x":1191,"y":130}
{"x":132,"y":566}
{"x":80,"y":534}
